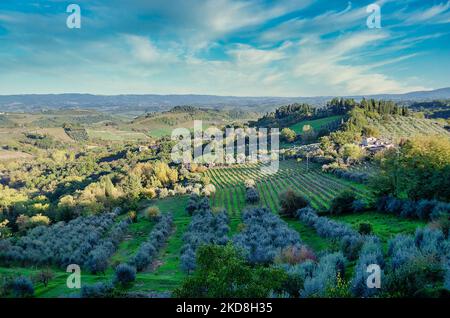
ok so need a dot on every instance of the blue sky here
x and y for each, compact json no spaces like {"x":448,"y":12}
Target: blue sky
{"x":224,"y":47}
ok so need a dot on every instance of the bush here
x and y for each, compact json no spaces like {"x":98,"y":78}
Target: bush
{"x":365,"y":228}
{"x":133,"y":216}
{"x":208,"y":190}
{"x":371,"y":253}
{"x":291,"y":202}
{"x":422,"y":209}
{"x":288,"y":135}
{"x":417,"y":263}
{"x":265,"y":235}
{"x":44,"y":277}
{"x":297,"y":274}
{"x":192,"y":204}
{"x":330,"y":267}
{"x":22,"y":287}
{"x":152,"y":213}
{"x":205,"y":227}
{"x":350,"y":240}
{"x":222,"y":272}
{"x":359,"y":206}
{"x":249,"y":183}
{"x":125,"y":274}
{"x":163,"y":193}
{"x":251,"y":196}
{"x":97,"y":290}
{"x":295,"y":255}
{"x":343,"y":203}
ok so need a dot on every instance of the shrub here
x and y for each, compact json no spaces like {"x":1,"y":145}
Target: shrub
{"x":422,"y":209}
{"x":359,"y":206}
{"x":343,"y":203}
{"x":208,"y":190}
{"x":249,"y":183}
{"x":125,"y":274}
{"x":411,"y":279}
{"x":350,"y":240}
{"x":222,"y":272}
{"x":22,"y":287}
{"x":251,"y":196}
{"x":205,"y":228}
{"x":297,"y":274}
{"x":188,"y":260}
{"x":44,"y":277}
{"x":163,"y":193}
{"x":39,"y":219}
{"x":133,"y":216}
{"x":192,"y":204}
{"x":408,"y":209}
{"x":365,"y":228}
{"x":97,"y":261}
{"x":425,"y":208}
{"x":152,"y":213}
{"x":371,"y":253}
{"x":97,"y":290}
{"x":417,"y":263}
{"x":440,"y":210}
{"x":265,"y":235}
{"x":290,"y":202}
{"x":324,"y":276}
{"x":288,"y":135}
{"x":294,"y":255}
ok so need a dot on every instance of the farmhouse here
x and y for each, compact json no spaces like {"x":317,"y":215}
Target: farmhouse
{"x":373,"y":144}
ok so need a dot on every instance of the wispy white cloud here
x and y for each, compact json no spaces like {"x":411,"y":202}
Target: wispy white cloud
{"x":435,"y":14}
{"x":330,"y":64}
{"x":146,"y":52}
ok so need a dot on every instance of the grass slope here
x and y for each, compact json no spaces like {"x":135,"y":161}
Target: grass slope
{"x":316,"y":124}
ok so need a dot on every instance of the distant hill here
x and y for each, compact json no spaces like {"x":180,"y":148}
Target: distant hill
{"x":158,"y":124}
{"x":439,"y":108}
{"x":156,"y":103}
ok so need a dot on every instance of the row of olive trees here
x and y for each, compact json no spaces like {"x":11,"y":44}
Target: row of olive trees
{"x":205,"y":227}
{"x":158,"y":236}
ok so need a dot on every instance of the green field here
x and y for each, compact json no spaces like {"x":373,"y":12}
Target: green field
{"x":316,"y":124}
{"x":385,"y":226}
{"x":116,"y":135}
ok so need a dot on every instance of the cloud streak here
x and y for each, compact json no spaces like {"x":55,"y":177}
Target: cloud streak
{"x":227,"y":47}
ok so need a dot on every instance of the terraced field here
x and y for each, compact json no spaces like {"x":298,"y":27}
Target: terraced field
{"x":318,"y":187}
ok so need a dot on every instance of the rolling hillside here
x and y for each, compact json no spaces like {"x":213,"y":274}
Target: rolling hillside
{"x":159,"y":124}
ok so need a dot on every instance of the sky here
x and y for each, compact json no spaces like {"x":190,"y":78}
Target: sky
{"x":224,"y":47}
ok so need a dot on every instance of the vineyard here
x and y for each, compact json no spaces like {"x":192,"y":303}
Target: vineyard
{"x":320,"y":188}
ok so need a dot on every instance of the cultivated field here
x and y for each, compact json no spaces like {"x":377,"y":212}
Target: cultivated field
{"x":320,"y":188}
